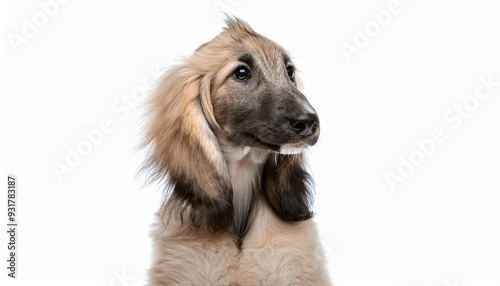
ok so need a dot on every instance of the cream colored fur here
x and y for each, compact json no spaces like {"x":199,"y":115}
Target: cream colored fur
{"x":274,"y":253}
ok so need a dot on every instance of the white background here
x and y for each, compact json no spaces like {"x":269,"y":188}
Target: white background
{"x":439,"y":226}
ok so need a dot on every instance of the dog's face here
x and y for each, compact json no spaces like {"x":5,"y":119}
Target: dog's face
{"x":256,"y":101}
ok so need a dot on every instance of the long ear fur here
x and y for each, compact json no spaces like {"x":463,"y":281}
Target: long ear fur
{"x":183,"y":150}
{"x":286,"y":186}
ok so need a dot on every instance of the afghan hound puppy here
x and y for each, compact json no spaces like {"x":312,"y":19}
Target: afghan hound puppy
{"x":225,"y":135}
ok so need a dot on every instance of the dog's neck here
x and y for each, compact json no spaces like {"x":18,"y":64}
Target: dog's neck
{"x":245,"y":169}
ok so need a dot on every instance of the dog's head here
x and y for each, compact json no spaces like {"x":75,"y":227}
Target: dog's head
{"x":240,"y":89}
{"x":254,"y":95}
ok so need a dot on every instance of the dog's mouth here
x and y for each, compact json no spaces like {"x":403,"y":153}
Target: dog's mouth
{"x":286,"y":148}
{"x":256,"y":142}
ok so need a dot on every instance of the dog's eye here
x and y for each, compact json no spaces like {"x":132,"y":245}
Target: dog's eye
{"x":291,"y":72}
{"x":242,"y":73}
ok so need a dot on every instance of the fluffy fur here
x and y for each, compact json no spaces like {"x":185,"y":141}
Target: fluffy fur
{"x":226,"y":133}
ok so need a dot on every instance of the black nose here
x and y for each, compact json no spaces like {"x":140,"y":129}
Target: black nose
{"x":305,"y":124}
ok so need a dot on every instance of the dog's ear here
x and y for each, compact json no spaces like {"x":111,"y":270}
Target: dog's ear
{"x":184,"y":151}
{"x":287,"y":186}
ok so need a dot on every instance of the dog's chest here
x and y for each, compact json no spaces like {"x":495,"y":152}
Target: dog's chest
{"x":279,"y":253}
{"x":273,"y":253}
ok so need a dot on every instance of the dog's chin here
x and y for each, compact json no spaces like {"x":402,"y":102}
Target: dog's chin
{"x":292,"y":148}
